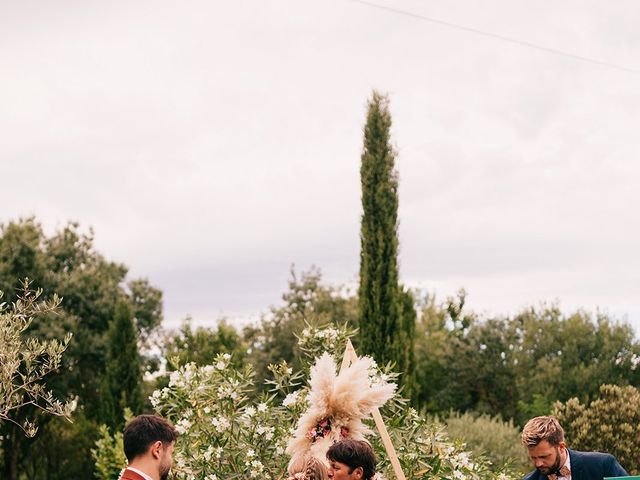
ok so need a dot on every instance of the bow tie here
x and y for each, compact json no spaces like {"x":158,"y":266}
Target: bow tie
{"x":563,"y":472}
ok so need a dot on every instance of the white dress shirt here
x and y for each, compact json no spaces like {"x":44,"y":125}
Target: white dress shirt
{"x":142,"y":474}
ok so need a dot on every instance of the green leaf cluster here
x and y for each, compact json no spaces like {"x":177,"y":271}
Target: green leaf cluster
{"x":25,"y":361}
{"x":228,"y":432}
{"x":516,"y":367}
{"x":67,"y":264}
{"x":495,"y":439}
{"x":609,"y":423}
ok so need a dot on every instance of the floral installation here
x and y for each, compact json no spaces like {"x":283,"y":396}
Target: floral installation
{"x":230,"y":433}
{"x":338,"y":404}
{"x":324,"y":429}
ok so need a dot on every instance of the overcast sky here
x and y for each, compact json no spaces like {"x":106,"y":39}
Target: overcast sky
{"x":213,"y":144}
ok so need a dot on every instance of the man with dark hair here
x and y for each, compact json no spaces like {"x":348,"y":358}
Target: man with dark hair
{"x":544,"y":439}
{"x":148,"y":445}
{"x":351,"y":460}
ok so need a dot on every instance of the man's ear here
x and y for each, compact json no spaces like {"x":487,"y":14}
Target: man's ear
{"x":156,"y":449}
{"x":358,"y":472}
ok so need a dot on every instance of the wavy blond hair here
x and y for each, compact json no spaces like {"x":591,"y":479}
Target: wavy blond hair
{"x":307,"y":468}
{"x":542,"y":428}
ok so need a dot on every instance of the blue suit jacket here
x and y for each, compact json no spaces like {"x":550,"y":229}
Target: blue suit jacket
{"x":588,"y":466}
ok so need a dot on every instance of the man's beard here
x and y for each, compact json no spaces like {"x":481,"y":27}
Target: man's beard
{"x":553,"y":468}
{"x":164,"y":473}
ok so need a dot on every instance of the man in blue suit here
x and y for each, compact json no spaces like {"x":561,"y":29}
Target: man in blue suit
{"x":544,"y":439}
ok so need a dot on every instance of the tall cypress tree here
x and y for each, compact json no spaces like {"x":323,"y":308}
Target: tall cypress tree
{"x":123,"y":377}
{"x":386,"y":319}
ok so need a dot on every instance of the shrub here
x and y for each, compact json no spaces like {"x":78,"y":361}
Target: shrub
{"x":610,"y":423}
{"x":226,"y":435}
{"x":498,"y":441}
{"x":25,"y":360}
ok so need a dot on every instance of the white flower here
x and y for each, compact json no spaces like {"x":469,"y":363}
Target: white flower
{"x":206,"y":410}
{"x":461,"y":460}
{"x":220,"y":365}
{"x":267,"y":432}
{"x":457,"y":474}
{"x":249,"y":412}
{"x":221,"y":423}
{"x":291,"y":399}
{"x":208,"y":453}
{"x":227,"y":392}
{"x":262,"y":407}
{"x":182,"y":426}
{"x":174,"y":379}
{"x":251,"y":453}
{"x":256,"y":468}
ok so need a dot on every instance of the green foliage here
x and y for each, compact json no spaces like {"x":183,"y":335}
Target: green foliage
{"x":446,"y":359}
{"x":146,"y":305}
{"x":407,"y":333}
{"x":25,"y":361}
{"x":610,"y":423}
{"x":431,"y":345}
{"x":386,"y":319}
{"x":123,"y":376}
{"x":54,"y":445}
{"x":108,"y":454}
{"x":307,"y":301}
{"x":496,"y":440}
{"x":66,"y":263}
{"x":516,"y":367}
{"x":226,"y":434}
{"x":314,"y":340}
{"x":222,"y":431}
{"x":569,"y":356}
{"x":200,"y":346}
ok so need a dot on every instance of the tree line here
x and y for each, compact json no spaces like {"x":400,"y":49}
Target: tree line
{"x":449,"y":359}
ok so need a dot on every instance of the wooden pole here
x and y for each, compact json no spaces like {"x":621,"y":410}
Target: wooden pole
{"x":349,"y":357}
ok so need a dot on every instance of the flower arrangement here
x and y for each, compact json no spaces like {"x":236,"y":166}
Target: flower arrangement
{"x":227,"y":433}
{"x":324,"y":429}
{"x":338,"y":404}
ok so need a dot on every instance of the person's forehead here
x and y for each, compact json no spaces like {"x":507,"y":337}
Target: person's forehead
{"x":543,"y":446}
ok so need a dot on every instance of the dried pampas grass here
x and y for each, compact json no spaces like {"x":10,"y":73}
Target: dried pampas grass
{"x":337,"y":405}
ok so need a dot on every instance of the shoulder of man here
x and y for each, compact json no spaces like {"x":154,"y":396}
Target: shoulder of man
{"x":607,"y":462}
{"x":533,"y":475}
{"x":590,"y":456}
{"x":130,"y":475}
